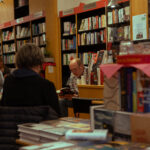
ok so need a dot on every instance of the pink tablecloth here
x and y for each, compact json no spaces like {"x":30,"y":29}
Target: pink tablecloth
{"x":110,"y":69}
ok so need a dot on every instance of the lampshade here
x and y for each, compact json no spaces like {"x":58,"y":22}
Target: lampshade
{"x":113,"y":4}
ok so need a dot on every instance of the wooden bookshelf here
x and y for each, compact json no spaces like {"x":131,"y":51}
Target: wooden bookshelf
{"x":17,"y":32}
{"x":75,"y":17}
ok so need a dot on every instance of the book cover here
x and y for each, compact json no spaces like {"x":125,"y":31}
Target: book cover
{"x":123,"y":89}
{"x":32,"y":128}
{"x":49,"y":146}
{"x":134,"y":93}
{"x":53,"y":133}
{"x":129,"y":90}
{"x":101,"y":118}
{"x":122,"y":122}
{"x":99,"y":134}
{"x":140,"y":92}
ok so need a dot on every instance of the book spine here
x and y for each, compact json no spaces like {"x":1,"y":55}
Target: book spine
{"x":134,"y":93}
{"x":123,"y":89}
{"x":129,"y":89}
{"x":140,"y":93}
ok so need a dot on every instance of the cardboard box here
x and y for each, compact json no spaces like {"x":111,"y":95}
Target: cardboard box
{"x":140,"y":128}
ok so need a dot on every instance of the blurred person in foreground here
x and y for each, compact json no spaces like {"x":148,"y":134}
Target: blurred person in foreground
{"x":4,"y":71}
{"x":3,"y":68}
{"x":24,"y":86}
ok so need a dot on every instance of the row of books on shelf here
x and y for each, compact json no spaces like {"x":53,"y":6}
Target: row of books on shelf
{"x":7,"y":48}
{"x":39,"y":40}
{"x":92,"y":38}
{"x":135,"y":93}
{"x":117,"y":34}
{"x":22,"y":42}
{"x":94,"y":22}
{"x":22,"y":32}
{"x":38,"y":28}
{"x":91,"y":77}
{"x":9,"y":59}
{"x":69,"y":43}
{"x":68,"y":57}
{"x":119,"y":15}
{"x":69,"y":28}
{"x":8,"y":35}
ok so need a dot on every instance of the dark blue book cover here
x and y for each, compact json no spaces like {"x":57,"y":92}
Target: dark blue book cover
{"x":129,"y":90}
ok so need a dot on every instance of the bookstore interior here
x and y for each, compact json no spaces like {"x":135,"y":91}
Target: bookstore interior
{"x":112,"y":40}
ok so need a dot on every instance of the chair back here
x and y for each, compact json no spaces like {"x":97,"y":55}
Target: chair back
{"x":81,"y":105}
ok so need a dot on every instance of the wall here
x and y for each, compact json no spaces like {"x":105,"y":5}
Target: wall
{"x":36,"y":6}
{"x":67,"y":4}
{"x":6,"y":11}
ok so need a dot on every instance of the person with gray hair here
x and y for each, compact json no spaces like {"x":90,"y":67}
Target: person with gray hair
{"x":77,"y":69}
{"x":24,"y":86}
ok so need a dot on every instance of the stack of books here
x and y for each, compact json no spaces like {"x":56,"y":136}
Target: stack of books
{"x":50,"y":130}
{"x":39,"y":133}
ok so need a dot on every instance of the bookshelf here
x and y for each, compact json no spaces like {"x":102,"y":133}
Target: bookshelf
{"x":68,"y":44}
{"x":17,"y":32}
{"x":118,"y":23}
{"x":8,"y":45}
{"x":39,"y":33}
{"x":21,"y":8}
{"x":83,"y":34}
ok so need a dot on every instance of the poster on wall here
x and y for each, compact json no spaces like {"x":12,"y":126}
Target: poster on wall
{"x":139,"y":27}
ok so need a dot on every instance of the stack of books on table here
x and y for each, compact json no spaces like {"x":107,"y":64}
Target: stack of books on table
{"x":36,"y":133}
{"x":50,"y":130}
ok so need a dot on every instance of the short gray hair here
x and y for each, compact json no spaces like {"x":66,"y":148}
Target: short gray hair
{"x":28,"y":56}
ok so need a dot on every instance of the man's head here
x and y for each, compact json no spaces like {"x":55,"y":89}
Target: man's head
{"x":76,"y":67}
{"x":29,"y":56}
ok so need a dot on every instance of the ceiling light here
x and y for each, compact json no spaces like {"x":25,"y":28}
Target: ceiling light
{"x":113,"y":4}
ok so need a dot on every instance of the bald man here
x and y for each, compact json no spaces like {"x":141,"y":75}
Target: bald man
{"x":77,"y":70}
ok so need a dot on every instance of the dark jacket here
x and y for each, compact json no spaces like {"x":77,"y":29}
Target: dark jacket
{"x":10,"y":117}
{"x":26,"y":88}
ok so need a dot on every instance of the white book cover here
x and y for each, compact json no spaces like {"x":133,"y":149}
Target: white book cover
{"x":86,"y":24}
{"x":97,"y":134}
{"x":48,"y":146}
{"x":32,"y":128}
{"x":67,"y":27}
{"x":109,"y":17}
{"x":99,"y":22}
